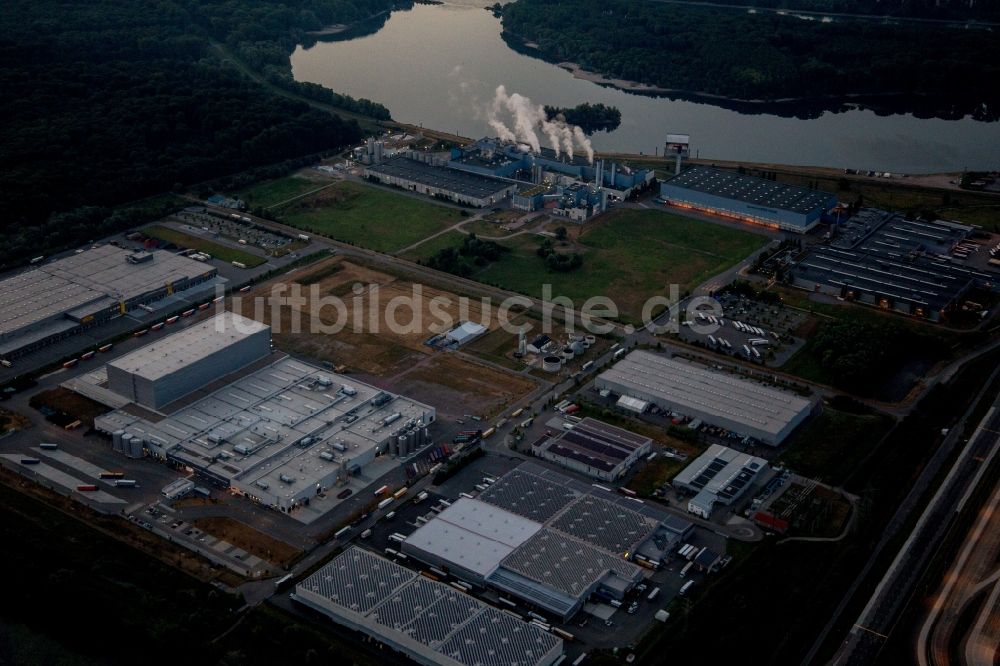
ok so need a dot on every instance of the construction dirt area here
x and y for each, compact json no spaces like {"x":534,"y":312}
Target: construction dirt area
{"x":249,"y":539}
{"x":366,"y":345}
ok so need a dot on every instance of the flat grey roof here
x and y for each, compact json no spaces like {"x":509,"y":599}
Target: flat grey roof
{"x":249,"y":430}
{"x":750,"y":189}
{"x":596,"y":444}
{"x":432,"y":621}
{"x":693,"y":387}
{"x":609,"y":525}
{"x":473,"y":535}
{"x":565,"y":564}
{"x":189,"y":345}
{"x":462,"y":182}
{"x":86,"y":283}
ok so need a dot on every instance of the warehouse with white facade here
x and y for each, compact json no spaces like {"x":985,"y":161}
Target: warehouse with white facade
{"x":719,"y":477}
{"x":674,"y":385}
{"x":178,"y":364}
{"x":429,"y":622}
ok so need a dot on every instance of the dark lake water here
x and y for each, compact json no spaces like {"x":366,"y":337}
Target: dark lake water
{"x":439,"y":65}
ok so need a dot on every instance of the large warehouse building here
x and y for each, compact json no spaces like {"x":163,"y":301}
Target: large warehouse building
{"x":429,"y":622}
{"x":547,"y":539}
{"x":179,"y":364}
{"x":595,"y":448}
{"x":275,"y":429}
{"x":719,"y":476}
{"x":438,"y":181}
{"x":882,"y":259}
{"x":740,"y":405}
{"x":59,"y":299}
{"x":747,"y":198}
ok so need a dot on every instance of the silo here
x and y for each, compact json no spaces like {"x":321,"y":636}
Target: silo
{"x":589,"y":341}
{"x":551,"y":363}
{"x":135,"y":450}
{"x":568,"y":353}
{"x":126,"y":443}
{"x":401,"y":445}
{"x":577,"y":346}
{"x":116,"y":440}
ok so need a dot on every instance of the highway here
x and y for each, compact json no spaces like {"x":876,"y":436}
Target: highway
{"x":973,"y":577}
{"x":878,"y":618}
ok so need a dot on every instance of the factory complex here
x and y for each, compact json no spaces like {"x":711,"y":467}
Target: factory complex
{"x":747,"y":198}
{"x":719,"y":477}
{"x":882,"y":259}
{"x":214,"y":398}
{"x":491,"y":171}
{"x":546,"y":539}
{"x":644,"y":379}
{"x":56,"y":300}
{"x":430,"y":622}
{"x":595,"y":448}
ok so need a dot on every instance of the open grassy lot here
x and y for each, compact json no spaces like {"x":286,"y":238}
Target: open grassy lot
{"x":249,"y":539}
{"x":831,"y":446}
{"x":62,"y":406}
{"x":189,"y":241}
{"x":629,"y":255}
{"x":273,"y":192}
{"x":431,"y":247}
{"x":368,"y":216}
{"x":654,"y":474}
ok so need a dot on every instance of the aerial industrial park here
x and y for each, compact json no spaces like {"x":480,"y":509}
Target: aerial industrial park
{"x":491,"y":402}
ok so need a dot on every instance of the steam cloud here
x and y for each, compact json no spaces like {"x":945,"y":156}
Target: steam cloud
{"x":529,"y":119}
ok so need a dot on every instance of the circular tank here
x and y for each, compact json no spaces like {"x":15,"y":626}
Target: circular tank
{"x":551,"y":363}
{"x":568,"y":353}
{"x":577,"y":348}
{"x":589,"y":340}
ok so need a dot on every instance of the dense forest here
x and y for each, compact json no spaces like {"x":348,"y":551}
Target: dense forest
{"x":988,"y":10}
{"x":760,"y":56}
{"x":108,"y":101}
{"x":589,"y":117}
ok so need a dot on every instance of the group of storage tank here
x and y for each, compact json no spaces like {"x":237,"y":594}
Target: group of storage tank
{"x":129,"y":445}
{"x":409,"y":439}
{"x":575,"y":346}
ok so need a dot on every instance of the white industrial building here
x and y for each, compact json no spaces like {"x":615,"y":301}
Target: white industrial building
{"x":465,"y":332}
{"x":273,"y":428}
{"x":595,"y":448}
{"x":178,"y":364}
{"x":429,"y":622}
{"x":673,"y":385}
{"x":546,"y":539}
{"x":53,"y":301}
{"x":719,"y":477}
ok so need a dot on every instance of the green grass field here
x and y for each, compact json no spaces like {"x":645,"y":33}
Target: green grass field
{"x":273,"y":192}
{"x":831,"y":446}
{"x":218,"y":251}
{"x":371,"y":217}
{"x":425,"y":250}
{"x":629,"y":255}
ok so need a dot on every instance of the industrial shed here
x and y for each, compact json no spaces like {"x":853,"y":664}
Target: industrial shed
{"x":720,"y":476}
{"x":429,"y":622}
{"x":56,"y":300}
{"x":740,"y":405}
{"x":437,"y":181}
{"x":179,"y":364}
{"x":596,"y":449}
{"x":747,"y":198}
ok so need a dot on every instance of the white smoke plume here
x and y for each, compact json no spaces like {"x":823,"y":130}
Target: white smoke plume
{"x":528,"y":119}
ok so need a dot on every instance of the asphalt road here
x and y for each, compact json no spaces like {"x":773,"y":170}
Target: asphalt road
{"x":876,"y":621}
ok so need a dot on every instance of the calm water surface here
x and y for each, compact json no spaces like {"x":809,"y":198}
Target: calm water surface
{"x":439,"y":65}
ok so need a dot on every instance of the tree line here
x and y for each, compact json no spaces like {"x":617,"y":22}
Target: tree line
{"x":761,"y":56}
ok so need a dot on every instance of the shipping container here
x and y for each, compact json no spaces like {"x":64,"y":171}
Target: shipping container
{"x":125,"y":483}
{"x":382,"y":491}
{"x":30,"y":461}
{"x":685,"y":588}
{"x":652,"y":595}
{"x":87,"y":488}
{"x":386,"y":502}
{"x":48,"y":446}
{"x":112,"y":475}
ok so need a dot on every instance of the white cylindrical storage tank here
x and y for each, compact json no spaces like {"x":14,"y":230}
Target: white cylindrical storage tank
{"x":125,"y":444}
{"x":577,"y":347}
{"x":116,"y":440}
{"x":567,"y":353}
{"x":135,"y":450}
{"x":551,"y":363}
{"x":589,"y":341}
